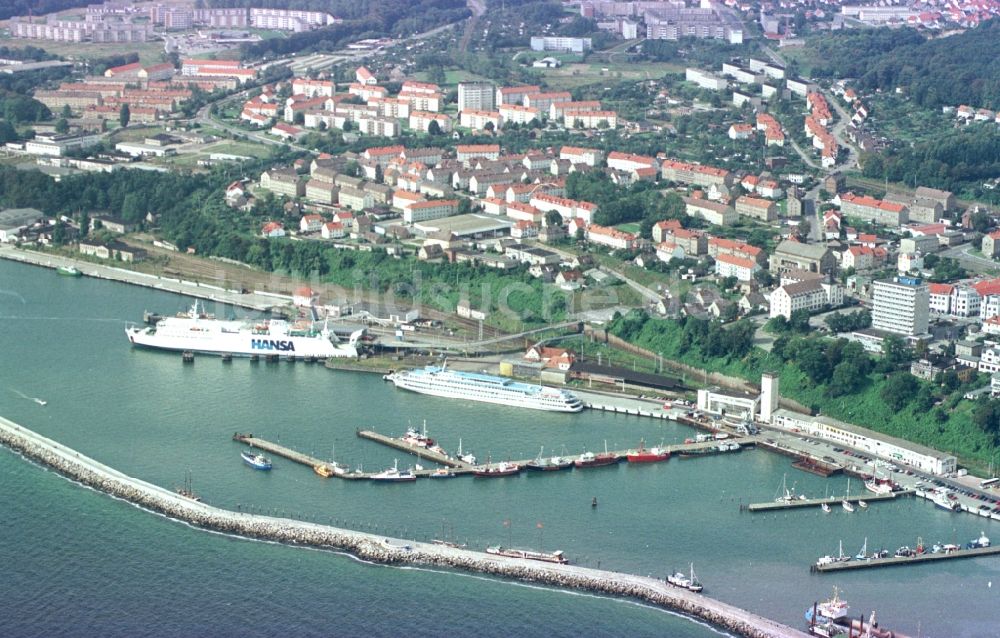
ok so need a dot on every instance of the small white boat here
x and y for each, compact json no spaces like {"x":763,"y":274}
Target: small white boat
{"x":847,"y":505}
{"x":863,"y":505}
{"x":826,"y":508}
{"x":41,"y":401}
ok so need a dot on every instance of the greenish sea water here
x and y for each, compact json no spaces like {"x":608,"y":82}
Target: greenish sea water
{"x":80,"y":563}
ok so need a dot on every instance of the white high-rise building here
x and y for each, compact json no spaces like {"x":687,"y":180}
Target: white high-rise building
{"x":476,"y":96}
{"x":901,"y":306}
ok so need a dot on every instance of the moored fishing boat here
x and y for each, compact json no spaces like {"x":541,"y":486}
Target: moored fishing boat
{"x":548,"y":464}
{"x":442,"y":472}
{"x":642,"y":455}
{"x":69,"y":271}
{"x":498,"y":470}
{"x":394,"y":475}
{"x":255,"y":460}
{"x":589,"y":459}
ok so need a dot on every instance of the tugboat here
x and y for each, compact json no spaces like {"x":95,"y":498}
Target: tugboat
{"x":642,"y":455}
{"x":256,"y":460}
{"x":831,"y":610}
{"x":589,"y":459}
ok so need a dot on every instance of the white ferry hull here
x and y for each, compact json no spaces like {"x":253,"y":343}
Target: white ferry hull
{"x":500,"y":398}
{"x":242,"y":344}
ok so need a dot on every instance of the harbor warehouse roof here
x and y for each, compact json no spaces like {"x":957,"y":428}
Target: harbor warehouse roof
{"x":585,"y":369}
{"x":19,"y":217}
{"x":464,"y":225}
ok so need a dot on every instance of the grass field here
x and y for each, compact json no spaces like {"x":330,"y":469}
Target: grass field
{"x":631,"y":227}
{"x":248,"y":149}
{"x":574,"y":75}
{"x":149,"y":52}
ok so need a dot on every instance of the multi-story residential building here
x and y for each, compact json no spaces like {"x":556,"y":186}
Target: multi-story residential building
{"x":283,"y":181}
{"x":757,"y":208}
{"x":289,"y":19}
{"x":705,"y":80}
{"x":355,"y":198}
{"x":696,"y":174}
{"x":321,"y":192}
{"x":672,"y":22}
{"x":544,"y":101}
{"x":421,"y":121}
{"x":794,"y":255}
{"x":480,"y":120}
{"x":476,"y":96}
{"x":590,"y":119}
{"x":901,"y":306}
{"x":422,"y":101}
{"x":715,"y":213}
{"x":630,"y":162}
{"x":568,"y":208}
{"x":732,"y":266}
{"x":558,"y":43}
{"x":991,"y":245}
{"x":945,"y":198}
{"x":873,"y":210}
{"x":432,"y":209}
{"x":515,"y":94}
{"x":558,"y":109}
{"x":577,"y":155}
{"x":721,"y":246}
{"x":466,"y":152}
{"x":517,"y":114}
{"x":313,"y":88}
{"x":607,"y":236}
{"x":811,"y":295}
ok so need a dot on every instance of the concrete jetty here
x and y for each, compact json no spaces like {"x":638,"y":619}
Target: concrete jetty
{"x":895,"y":561}
{"x":292,"y":455}
{"x":816,"y":502}
{"x":416,"y":450}
{"x":379,"y":548}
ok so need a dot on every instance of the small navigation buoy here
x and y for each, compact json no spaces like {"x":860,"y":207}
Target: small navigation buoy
{"x":593,"y":503}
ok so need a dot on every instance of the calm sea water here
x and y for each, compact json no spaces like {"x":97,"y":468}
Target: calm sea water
{"x":78,"y":562}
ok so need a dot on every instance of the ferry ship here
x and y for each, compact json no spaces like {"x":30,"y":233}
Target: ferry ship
{"x":473,"y":386}
{"x":196,"y":331}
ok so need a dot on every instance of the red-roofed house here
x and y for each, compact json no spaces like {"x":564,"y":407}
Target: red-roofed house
{"x":733,"y":266}
{"x":365,"y":77}
{"x":310,"y":223}
{"x":991,"y":245}
{"x":663,"y":228}
{"x":332,"y":230}
{"x":940,"y":298}
{"x":859,"y":258}
{"x":551,"y":357}
{"x":607,"y":236}
{"x":272,"y":229}
{"x":875,"y":210}
{"x":124,"y":71}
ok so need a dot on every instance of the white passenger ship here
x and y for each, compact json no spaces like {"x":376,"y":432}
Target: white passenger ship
{"x":195,"y":331}
{"x":441,"y":382}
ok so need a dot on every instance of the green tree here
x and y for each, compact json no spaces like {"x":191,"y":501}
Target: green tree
{"x":433,"y":128}
{"x":62,"y":126}
{"x":66,"y":112}
{"x":299,"y":118}
{"x":124,"y":115}
{"x":899,"y":390}
{"x":553,"y":218}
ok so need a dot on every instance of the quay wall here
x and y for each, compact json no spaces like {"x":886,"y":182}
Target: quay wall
{"x":379,"y":548}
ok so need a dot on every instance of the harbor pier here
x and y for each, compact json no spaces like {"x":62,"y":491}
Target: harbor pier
{"x":381,"y":549}
{"x":816,"y":502}
{"x":895,"y":561}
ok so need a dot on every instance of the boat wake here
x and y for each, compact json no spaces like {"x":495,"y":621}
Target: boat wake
{"x":27,"y":398}
{"x":16,"y":295}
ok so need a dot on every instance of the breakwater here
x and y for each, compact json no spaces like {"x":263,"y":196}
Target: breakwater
{"x":378,"y":548}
